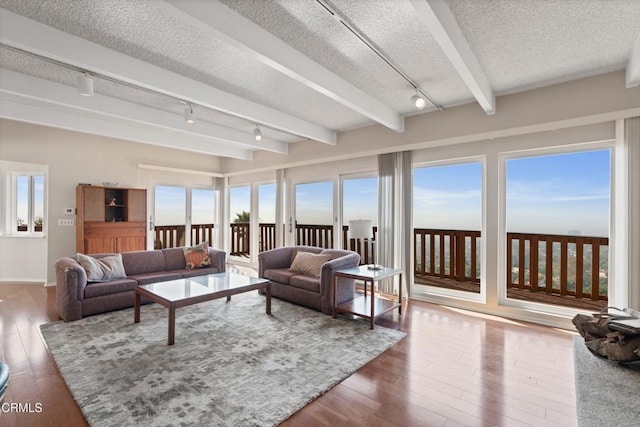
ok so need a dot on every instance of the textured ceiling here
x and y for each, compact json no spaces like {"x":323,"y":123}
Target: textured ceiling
{"x":518,"y":44}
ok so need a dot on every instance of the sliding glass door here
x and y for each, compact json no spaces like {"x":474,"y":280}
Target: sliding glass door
{"x":314,"y":214}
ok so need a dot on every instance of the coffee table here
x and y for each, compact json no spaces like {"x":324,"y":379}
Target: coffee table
{"x":183,"y":292}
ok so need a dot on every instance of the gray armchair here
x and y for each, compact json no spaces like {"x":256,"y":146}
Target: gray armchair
{"x":310,"y":291}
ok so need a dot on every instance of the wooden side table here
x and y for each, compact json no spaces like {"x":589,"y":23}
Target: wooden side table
{"x":368,"y":306}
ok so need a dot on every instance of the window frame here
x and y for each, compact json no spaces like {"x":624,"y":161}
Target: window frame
{"x":503,"y":158}
{"x":12,"y":226}
{"x":422,"y":291}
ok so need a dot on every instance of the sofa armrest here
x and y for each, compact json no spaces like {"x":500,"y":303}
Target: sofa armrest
{"x":218,"y":259}
{"x":346,"y":287}
{"x":273,"y":259}
{"x":71,"y":280}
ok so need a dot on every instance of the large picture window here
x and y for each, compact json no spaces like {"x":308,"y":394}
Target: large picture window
{"x":447,"y":215}
{"x":557,"y":220}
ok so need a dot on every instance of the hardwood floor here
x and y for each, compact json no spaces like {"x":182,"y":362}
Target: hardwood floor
{"x":454,"y":368}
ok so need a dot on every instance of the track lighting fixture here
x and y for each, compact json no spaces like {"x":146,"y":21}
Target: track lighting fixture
{"x":418,"y":101}
{"x":188,"y":114}
{"x":85,"y":85}
{"x":257,"y":134}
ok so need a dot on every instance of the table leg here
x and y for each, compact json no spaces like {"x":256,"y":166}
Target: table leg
{"x":335,"y":290}
{"x":172,"y":324}
{"x":400,"y":294}
{"x":373,"y":303}
{"x":269,"y":298}
{"x":228,"y":298}
{"x":136,"y":308}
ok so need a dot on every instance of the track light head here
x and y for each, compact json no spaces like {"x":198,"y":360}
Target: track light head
{"x":188,"y":114}
{"x":85,"y":85}
{"x":418,"y":101}
{"x":257,"y":134}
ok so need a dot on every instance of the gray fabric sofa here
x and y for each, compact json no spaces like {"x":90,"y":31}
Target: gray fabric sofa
{"x":77,"y":298}
{"x":313,"y":292}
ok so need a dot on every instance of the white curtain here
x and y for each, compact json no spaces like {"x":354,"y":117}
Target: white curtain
{"x":632,"y":142}
{"x":218,"y":188}
{"x":395,"y":189}
{"x":280,"y":204}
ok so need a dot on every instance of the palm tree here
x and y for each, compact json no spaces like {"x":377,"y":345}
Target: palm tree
{"x":242,"y":217}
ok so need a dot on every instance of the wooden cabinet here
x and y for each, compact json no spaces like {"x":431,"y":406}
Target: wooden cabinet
{"x":110,"y":219}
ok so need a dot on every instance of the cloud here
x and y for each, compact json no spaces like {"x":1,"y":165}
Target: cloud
{"x":432,"y":198}
{"x":555,"y":191}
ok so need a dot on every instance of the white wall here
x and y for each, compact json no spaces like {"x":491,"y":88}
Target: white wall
{"x":81,"y":158}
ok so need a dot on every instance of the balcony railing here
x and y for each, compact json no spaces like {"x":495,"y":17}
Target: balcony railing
{"x":567,"y":270}
{"x":320,"y":236}
{"x":172,"y":236}
{"x":564,"y":268}
{"x":571,"y":267}
{"x":446,"y":254}
{"x":310,"y":235}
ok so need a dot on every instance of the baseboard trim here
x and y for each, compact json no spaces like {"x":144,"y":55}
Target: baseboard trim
{"x":24,"y":281}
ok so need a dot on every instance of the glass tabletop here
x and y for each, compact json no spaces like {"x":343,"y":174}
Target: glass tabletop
{"x":365,"y":272}
{"x":179,"y":289}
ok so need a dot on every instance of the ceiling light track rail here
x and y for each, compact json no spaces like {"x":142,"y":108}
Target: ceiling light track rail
{"x":360,"y":36}
{"x":189,"y":116}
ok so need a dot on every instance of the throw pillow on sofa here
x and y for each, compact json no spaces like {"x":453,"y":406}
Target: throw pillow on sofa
{"x":308,"y":263}
{"x":102,"y":269}
{"x":197,"y":256}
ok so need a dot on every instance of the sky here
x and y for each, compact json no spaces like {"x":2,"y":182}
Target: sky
{"x":22,"y":197}
{"x":554,"y":194}
{"x":171,"y":205}
{"x":560,"y":194}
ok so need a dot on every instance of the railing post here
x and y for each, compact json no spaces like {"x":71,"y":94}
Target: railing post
{"x":533,"y":263}
{"x":460,"y":255}
{"x":579,"y":268}
{"x":595,"y":270}
{"x":509,"y":260}
{"x":549,"y":269}
{"x":563,"y":265}
{"x":521,"y":263}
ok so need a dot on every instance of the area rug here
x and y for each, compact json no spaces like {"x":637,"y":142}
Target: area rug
{"x":607,"y":393}
{"x":231,"y":365}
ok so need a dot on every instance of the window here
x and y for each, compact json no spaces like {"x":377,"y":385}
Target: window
{"x":183,"y":216}
{"x":28,"y":214}
{"x":170,"y":216}
{"x":240,"y":220}
{"x":360,"y":201}
{"x":203,"y":212}
{"x":267,"y":218}
{"x":314,"y":214}
{"x":557,"y":223}
{"x":447,"y":214}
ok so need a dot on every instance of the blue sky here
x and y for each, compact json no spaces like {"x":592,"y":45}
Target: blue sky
{"x":553,"y":194}
{"x":171,"y":205}
{"x":448,"y":197}
{"x":560,"y":193}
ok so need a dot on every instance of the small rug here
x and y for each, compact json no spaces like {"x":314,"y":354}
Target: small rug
{"x":607,"y":393}
{"x":231,"y":365}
